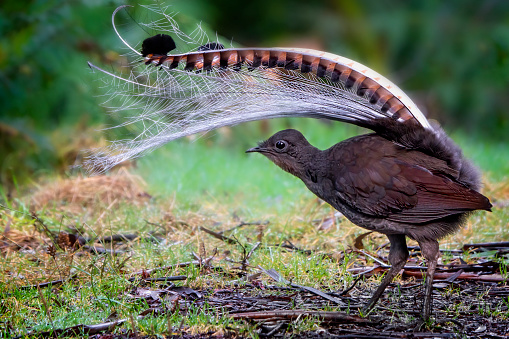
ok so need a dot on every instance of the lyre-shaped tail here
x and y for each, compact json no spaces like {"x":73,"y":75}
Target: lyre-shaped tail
{"x":171,"y":96}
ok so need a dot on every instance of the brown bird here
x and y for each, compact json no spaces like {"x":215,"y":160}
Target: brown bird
{"x":403,"y":181}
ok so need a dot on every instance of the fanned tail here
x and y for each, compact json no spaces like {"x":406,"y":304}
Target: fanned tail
{"x":172,"y":96}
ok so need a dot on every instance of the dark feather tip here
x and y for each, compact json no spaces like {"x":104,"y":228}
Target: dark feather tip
{"x":160,"y":44}
{"x":210,"y":46}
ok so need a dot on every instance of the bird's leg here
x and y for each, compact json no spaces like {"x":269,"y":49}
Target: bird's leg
{"x":398,"y":256}
{"x":429,"y":249}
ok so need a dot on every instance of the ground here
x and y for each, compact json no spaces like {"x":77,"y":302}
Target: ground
{"x":120,"y":263}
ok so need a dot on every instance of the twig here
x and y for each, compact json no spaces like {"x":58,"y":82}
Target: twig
{"x":172,"y":278}
{"x":276,"y":276}
{"x":48,"y":284}
{"x":380,"y":262}
{"x":242,"y":224}
{"x":274,"y":330}
{"x":119,"y":237}
{"x":294,"y":314}
{"x":353,"y":285}
{"x":462,"y":276}
{"x":245,"y":261}
{"x":255,"y":247}
{"x":288,"y":245}
{"x":183,"y":264}
{"x":101,"y":250}
{"x":492,"y":245}
{"x":78,"y":330}
{"x":219,"y":236}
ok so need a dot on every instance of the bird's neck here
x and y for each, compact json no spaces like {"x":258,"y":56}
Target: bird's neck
{"x":311,"y":166}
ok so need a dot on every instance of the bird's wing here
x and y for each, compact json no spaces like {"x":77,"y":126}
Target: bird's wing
{"x":438,"y":197}
{"x":398,"y":191}
{"x":170,"y":96}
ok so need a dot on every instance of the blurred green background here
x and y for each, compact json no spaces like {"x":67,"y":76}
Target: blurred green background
{"x":451,"y":57}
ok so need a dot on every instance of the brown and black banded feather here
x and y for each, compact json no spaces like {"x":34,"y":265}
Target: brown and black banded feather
{"x":369,"y":88}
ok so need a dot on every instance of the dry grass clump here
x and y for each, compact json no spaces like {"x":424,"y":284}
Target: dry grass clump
{"x":12,"y":240}
{"x":498,"y":192}
{"x":106,"y":191}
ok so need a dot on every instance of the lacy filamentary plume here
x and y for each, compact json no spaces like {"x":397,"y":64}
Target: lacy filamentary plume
{"x":407,"y":179}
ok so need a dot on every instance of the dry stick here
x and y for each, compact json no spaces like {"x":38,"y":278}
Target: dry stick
{"x":463,"y":276}
{"x":255,"y":247}
{"x":255,"y":223}
{"x":491,"y":266}
{"x":418,"y":248}
{"x":219,"y":236}
{"x":244,"y":263}
{"x":503,"y":244}
{"x":204,"y":262}
{"x":79,"y":330}
{"x":274,"y":330}
{"x":454,"y":276}
{"x":172,"y":278}
{"x":277,"y":277}
{"x":287,"y":244}
{"x":101,"y":250}
{"x":353,"y":285}
{"x":119,"y":237}
{"x":116,"y":237}
{"x":294,"y":314}
{"x":364,"y":272}
{"x":380,"y":262}
{"x":183,"y":264}
{"x":48,"y":284}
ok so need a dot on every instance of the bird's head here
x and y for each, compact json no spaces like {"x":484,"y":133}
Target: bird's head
{"x":287,"y":149}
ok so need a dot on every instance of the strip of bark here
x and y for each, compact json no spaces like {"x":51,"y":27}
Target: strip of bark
{"x":462,"y":276}
{"x":339,"y":317}
{"x":495,"y":245}
{"x":277,"y":277}
{"x":79,"y":330}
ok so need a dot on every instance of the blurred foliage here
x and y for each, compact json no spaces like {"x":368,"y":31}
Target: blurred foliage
{"x":451,"y":57}
{"x":45,"y":84}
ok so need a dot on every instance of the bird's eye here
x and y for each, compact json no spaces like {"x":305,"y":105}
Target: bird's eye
{"x":280,"y":144}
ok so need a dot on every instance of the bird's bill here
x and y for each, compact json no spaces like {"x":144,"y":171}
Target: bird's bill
{"x":257,"y":149}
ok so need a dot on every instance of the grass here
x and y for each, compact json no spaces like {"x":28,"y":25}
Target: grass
{"x":208,"y":183}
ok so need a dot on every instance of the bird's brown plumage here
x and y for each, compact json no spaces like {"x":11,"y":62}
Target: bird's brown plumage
{"x":378,"y":178}
{"x":402,"y":181}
